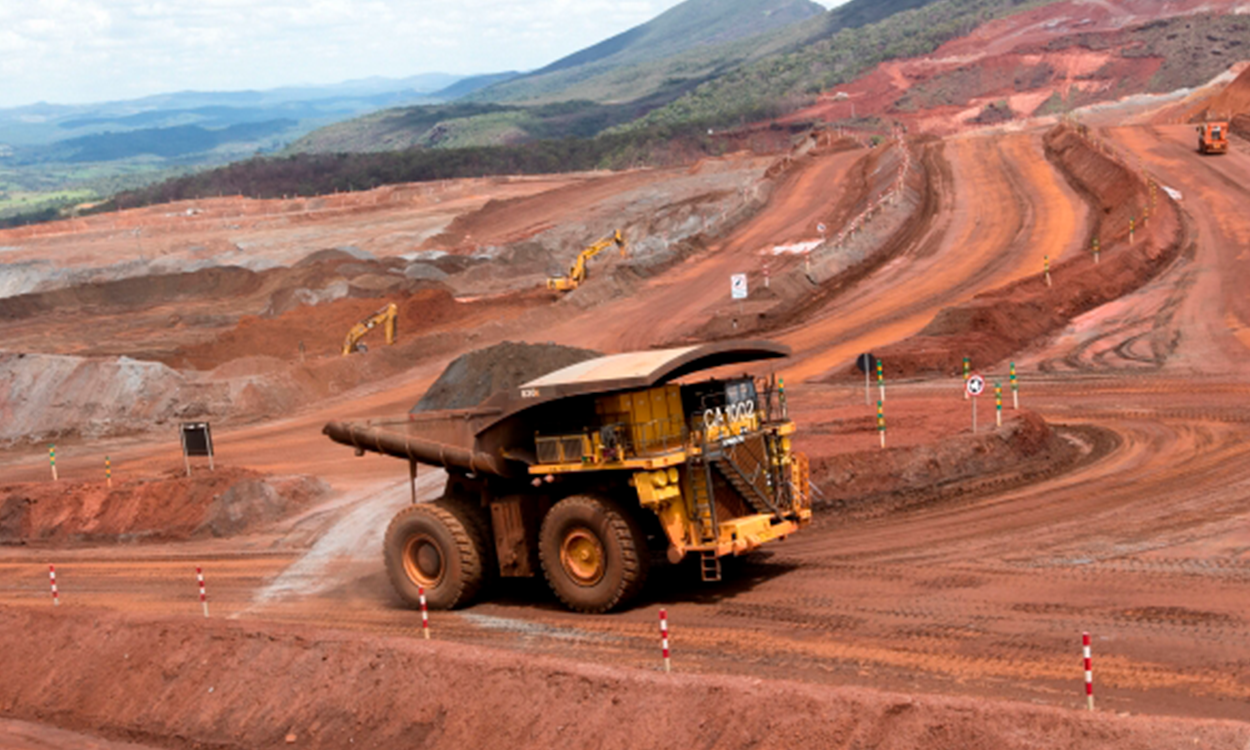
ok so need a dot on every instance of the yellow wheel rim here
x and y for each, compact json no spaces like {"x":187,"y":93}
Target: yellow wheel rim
{"x":423,"y":561}
{"x":581,"y":556}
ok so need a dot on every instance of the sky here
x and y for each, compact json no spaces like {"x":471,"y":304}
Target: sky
{"x":78,"y":51}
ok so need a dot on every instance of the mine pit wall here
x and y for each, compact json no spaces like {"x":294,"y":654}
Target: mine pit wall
{"x":1240,"y":125}
{"x":889,"y":204}
{"x":191,"y":683}
{"x":995,"y":324}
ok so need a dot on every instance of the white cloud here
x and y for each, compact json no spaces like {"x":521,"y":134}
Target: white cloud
{"x":70,"y":51}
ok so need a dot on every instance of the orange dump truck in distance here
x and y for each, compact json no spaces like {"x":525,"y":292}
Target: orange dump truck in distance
{"x":1213,"y":138}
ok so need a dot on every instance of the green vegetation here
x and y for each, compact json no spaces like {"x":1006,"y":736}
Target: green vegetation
{"x":18,"y":207}
{"x":698,"y":31}
{"x":317,"y":174}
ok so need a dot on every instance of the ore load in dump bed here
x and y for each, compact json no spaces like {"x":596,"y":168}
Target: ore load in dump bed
{"x":585,"y":472}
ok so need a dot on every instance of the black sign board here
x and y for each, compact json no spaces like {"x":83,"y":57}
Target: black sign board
{"x":866,"y":362}
{"x":197,"y":439}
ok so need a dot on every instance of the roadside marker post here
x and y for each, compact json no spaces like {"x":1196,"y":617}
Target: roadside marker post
{"x":1046,"y":268}
{"x":56,"y":599}
{"x":881,"y":379}
{"x":975,"y":387}
{"x":1089,"y":673}
{"x":1097,"y":250}
{"x":998,"y":403}
{"x":1015,"y":388}
{"x":1132,"y":223}
{"x":108,"y":471}
{"x":199,"y":577}
{"x":52,"y":460}
{"x":668,"y":664}
{"x":425,"y":613}
{"x":881,"y":422}
{"x":967,"y":374}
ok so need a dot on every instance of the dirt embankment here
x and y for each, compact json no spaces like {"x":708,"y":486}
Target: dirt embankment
{"x":888,"y":203}
{"x":875,"y":482}
{"x":222,"y":685}
{"x":1241,"y":126}
{"x":1233,"y":100}
{"x":316,"y":330}
{"x":993,"y":325}
{"x":219,"y":503}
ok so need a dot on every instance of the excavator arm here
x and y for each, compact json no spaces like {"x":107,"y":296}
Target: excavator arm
{"x":577,"y":274}
{"x":387,"y":317}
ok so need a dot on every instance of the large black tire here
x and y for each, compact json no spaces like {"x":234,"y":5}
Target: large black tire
{"x":440,"y":546}
{"x":593,"y":553}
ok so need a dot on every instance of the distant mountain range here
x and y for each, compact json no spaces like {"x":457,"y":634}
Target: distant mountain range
{"x":46,"y":146}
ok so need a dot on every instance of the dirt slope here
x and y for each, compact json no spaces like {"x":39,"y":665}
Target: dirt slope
{"x":209,"y":685}
{"x":1232,"y":101}
{"x":220,"y":503}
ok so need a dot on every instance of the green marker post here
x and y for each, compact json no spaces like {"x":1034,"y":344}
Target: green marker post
{"x":52,"y":460}
{"x":881,"y":422}
{"x":1015,"y":388}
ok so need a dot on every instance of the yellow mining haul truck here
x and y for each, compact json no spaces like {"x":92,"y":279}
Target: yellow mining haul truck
{"x":591,"y":473}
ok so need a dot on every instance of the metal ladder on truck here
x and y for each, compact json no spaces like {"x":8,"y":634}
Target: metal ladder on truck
{"x":705,"y":510}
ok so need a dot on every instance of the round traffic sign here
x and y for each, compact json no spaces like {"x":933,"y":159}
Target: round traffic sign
{"x":821,"y":228}
{"x":976,"y":385}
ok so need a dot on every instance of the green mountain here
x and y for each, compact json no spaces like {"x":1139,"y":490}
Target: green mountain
{"x":606,"y":85}
{"x":701,"y":26}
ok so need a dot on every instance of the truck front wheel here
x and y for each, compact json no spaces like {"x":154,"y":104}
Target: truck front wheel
{"x":435,"y":546}
{"x":593,"y":553}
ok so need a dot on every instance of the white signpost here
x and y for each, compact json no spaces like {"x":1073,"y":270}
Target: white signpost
{"x":738,"y":286}
{"x":975,"y":387}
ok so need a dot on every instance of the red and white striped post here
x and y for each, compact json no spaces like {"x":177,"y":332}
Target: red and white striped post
{"x":199,"y":576}
{"x":56,"y":601}
{"x":425,"y":613}
{"x":668,"y":664}
{"x":1089,"y":673}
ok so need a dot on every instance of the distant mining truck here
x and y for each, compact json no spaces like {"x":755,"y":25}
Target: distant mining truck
{"x":1213,"y":138}
{"x":591,"y":472}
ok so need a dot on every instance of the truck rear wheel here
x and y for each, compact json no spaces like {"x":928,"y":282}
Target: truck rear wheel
{"x":593,"y":553}
{"x":437,"y":546}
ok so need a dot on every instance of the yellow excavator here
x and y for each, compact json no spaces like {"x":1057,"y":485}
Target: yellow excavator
{"x":577,"y":274}
{"x":387,"y":316}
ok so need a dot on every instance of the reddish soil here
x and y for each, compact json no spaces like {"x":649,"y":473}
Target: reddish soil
{"x":1241,"y":125}
{"x":1233,"y":100}
{"x":173,"y":507}
{"x":320,"y":329}
{"x":995,"y":324}
{"x":1037,"y":62}
{"x":207,"y":685}
{"x":874,"y":482}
